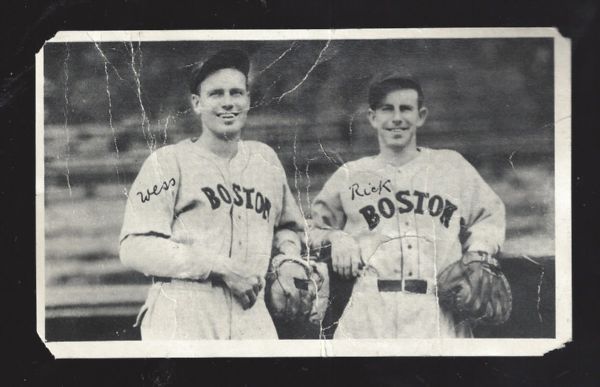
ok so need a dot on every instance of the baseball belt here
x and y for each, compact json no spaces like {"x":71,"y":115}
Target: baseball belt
{"x":156,"y":279}
{"x":383,"y":285}
{"x":410,"y":285}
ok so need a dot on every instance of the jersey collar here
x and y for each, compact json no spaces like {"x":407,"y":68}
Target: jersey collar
{"x":421,"y":155}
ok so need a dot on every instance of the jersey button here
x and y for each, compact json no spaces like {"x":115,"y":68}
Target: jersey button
{"x":409,"y":246}
{"x":410,"y":273}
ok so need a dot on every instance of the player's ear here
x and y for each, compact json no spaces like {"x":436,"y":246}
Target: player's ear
{"x":249,"y":96}
{"x":196,"y":103}
{"x":371,"y":117}
{"x":422,"y":115}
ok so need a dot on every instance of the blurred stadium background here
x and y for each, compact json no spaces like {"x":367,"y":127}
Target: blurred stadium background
{"x":108,"y":105}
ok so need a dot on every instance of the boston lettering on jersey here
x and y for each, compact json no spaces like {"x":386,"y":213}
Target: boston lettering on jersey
{"x":241,"y":195}
{"x":435,"y":206}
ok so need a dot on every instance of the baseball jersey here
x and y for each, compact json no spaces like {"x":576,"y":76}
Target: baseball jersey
{"x":194,"y":207}
{"x":411,"y":221}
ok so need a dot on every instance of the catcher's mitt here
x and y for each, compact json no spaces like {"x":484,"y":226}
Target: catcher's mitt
{"x":475,"y":289}
{"x":297,"y":289}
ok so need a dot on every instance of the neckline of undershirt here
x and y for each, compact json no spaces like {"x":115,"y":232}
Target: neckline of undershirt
{"x":241,"y":152}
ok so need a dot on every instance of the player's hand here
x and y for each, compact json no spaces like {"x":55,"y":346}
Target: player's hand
{"x":345,"y":255}
{"x":244,"y":286}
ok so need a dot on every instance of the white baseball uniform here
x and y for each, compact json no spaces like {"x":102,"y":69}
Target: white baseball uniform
{"x":188,"y":208}
{"x":411,"y":222}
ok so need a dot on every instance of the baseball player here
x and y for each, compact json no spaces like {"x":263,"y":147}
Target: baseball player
{"x":397,"y":219}
{"x":203,"y":216}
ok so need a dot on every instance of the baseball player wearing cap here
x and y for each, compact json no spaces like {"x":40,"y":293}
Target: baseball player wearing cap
{"x":405,"y":214}
{"x":203,"y":216}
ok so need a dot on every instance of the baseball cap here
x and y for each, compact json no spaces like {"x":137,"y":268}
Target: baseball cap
{"x":382,"y":84}
{"x":224,"y":59}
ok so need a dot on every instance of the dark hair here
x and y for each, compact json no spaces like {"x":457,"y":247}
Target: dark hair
{"x":383,"y":85}
{"x":225,"y":59}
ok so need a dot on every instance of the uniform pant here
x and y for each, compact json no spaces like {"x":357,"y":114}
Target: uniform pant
{"x":371,"y":314}
{"x":189,"y":310}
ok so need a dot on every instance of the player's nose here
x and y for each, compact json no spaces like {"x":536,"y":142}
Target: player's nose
{"x":397,"y":118}
{"x":227,"y":102}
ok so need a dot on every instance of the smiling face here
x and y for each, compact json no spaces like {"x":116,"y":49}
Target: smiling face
{"x":222,"y":102}
{"x":396,"y":119}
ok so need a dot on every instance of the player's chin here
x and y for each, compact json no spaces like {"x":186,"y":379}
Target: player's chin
{"x":397,"y":142}
{"x":234,"y":126}
{"x":228,"y":134}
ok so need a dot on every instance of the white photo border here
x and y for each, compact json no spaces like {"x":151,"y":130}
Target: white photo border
{"x":327,"y":348}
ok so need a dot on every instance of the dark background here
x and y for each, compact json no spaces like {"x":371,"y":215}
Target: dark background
{"x":26,"y":25}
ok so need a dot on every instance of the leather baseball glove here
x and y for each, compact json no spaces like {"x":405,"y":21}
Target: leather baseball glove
{"x":474,"y":289}
{"x":297,"y":289}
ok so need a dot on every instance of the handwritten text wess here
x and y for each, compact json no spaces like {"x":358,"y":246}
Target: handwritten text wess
{"x":157,"y":189}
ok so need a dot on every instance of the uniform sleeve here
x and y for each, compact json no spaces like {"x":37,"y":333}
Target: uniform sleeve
{"x":151,"y":200}
{"x":146,"y":244}
{"x":484,"y":222}
{"x":159,"y":256}
{"x":289,"y":229}
{"x":327,"y":213}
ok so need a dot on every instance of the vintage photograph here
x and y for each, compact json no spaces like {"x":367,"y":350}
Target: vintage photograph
{"x":304,"y":193}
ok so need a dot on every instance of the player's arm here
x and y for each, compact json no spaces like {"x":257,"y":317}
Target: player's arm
{"x":327,"y":217}
{"x":157,"y":255}
{"x":484,"y":223}
{"x":290,"y":229}
{"x":326,"y":228}
{"x":288,"y":242}
{"x":146,"y":244}
{"x":474,"y":287}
